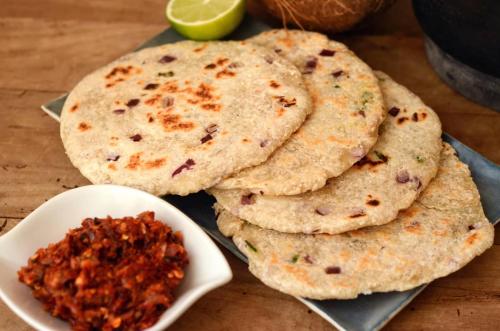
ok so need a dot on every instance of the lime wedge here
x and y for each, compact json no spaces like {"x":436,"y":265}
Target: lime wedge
{"x":205,"y":19}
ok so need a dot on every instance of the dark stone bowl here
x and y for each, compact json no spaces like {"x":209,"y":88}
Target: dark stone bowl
{"x":463,"y":45}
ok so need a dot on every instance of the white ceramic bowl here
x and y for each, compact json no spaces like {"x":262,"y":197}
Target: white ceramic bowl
{"x":49,"y":223}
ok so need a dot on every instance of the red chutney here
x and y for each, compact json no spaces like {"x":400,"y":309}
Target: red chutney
{"x":109,"y":274}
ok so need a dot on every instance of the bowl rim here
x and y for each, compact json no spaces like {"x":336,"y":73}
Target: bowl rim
{"x":190,"y":297}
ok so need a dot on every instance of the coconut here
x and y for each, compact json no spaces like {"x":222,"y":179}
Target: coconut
{"x":329,"y":16}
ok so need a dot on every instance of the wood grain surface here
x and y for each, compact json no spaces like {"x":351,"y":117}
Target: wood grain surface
{"x":48,"y":46}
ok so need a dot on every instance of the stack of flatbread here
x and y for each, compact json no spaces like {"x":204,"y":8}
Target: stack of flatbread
{"x":331,"y":178}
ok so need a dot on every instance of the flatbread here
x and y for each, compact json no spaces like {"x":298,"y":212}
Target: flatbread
{"x":440,"y":233}
{"x":400,"y":165}
{"x":179,"y":117}
{"x":347,"y":111}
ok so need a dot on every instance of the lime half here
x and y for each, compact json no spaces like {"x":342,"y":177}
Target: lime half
{"x":205,"y":19}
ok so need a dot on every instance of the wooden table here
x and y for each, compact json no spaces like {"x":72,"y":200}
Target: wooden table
{"x":48,"y":46}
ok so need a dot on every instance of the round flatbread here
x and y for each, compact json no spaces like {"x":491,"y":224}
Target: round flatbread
{"x":347,"y":111}
{"x":179,"y":117}
{"x":388,"y":179}
{"x":440,"y":233}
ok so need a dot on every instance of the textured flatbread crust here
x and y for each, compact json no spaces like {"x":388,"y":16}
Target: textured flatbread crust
{"x":440,"y":233}
{"x":399,"y":166}
{"x":347,"y":111}
{"x":180,"y":117}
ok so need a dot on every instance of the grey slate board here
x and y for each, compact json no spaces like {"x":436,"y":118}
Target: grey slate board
{"x":367,"y":312}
